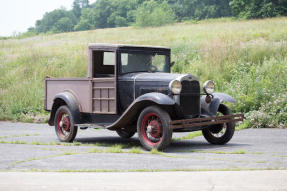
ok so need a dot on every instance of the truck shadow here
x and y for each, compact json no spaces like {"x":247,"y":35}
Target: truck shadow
{"x":198,"y":145}
{"x":174,"y":147}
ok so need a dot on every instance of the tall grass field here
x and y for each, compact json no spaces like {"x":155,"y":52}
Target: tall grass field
{"x":246,"y":58}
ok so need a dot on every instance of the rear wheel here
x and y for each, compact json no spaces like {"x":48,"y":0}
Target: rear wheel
{"x":222,"y":133}
{"x":64,"y":125}
{"x":153,"y":128}
{"x":126,"y":133}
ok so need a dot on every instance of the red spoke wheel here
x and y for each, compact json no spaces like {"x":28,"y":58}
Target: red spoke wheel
{"x":220,"y":134}
{"x":153,"y":128}
{"x":64,"y":124}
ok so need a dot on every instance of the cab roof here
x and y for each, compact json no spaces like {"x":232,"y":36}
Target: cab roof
{"x":107,"y":46}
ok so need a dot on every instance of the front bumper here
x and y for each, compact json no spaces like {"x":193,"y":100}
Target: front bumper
{"x":204,"y":121}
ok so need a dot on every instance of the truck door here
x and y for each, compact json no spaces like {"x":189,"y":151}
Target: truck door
{"x":103,"y":82}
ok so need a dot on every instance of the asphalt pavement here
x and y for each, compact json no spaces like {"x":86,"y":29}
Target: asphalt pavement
{"x":33,"y":159}
{"x":34,"y":147}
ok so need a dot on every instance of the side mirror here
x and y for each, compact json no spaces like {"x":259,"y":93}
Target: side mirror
{"x":171,"y":64}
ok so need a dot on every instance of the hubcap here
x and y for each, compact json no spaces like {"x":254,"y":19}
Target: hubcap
{"x":151,"y":128}
{"x":63,"y":124}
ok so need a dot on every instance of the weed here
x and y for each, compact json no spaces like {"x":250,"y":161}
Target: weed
{"x":154,"y":151}
{"x":115,"y":149}
{"x":135,"y":150}
{"x":70,"y":153}
{"x":43,"y":157}
{"x":262,"y":161}
{"x":35,"y":143}
{"x":189,"y":136}
{"x":77,"y":143}
{"x":256,"y":153}
{"x":96,"y":150}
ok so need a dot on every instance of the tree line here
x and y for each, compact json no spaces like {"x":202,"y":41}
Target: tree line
{"x":119,"y":13}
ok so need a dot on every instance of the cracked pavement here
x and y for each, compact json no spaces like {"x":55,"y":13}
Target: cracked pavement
{"x":34,"y":147}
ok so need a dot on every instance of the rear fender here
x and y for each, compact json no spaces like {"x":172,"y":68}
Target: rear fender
{"x":139,"y":104}
{"x":210,"y":109}
{"x":66,"y":98}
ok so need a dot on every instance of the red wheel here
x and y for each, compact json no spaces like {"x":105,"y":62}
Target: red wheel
{"x":153,"y":128}
{"x":64,"y":125}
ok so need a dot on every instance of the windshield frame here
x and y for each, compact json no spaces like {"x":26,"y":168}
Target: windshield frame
{"x":159,"y":52}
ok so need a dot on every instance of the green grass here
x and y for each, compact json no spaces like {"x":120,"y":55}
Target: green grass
{"x":246,"y":59}
{"x":135,"y":150}
{"x":115,"y":149}
{"x":43,"y":157}
{"x":189,"y":136}
{"x":13,"y":142}
{"x":96,"y":150}
{"x":154,"y":152}
{"x":25,"y":135}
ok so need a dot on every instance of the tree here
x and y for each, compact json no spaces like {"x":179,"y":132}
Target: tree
{"x":152,"y":13}
{"x":258,"y":8}
{"x":78,"y":5}
{"x":49,"y":20}
{"x":117,"y":13}
{"x":87,"y":20}
{"x":63,"y":25}
{"x":77,"y":8}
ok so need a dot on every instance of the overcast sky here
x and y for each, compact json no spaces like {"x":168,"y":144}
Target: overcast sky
{"x":19,"y":15}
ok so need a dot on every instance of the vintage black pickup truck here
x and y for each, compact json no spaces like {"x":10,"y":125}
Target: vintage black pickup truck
{"x":130,"y":89}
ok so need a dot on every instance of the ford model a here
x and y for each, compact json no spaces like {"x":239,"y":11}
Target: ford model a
{"x":130,"y":89}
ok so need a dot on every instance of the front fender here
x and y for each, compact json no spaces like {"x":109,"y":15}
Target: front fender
{"x":157,"y":98}
{"x":139,"y":104}
{"x":66,"y":98}
{"x":210,"y":109}
{"x":224,"y":97}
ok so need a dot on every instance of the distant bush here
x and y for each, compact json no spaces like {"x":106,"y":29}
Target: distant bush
{"x":271,"y":114}
{"x":82,"y":25}
{"x":258,"y":8}
{"x":63,"y":25}
{"x":152,"y":13}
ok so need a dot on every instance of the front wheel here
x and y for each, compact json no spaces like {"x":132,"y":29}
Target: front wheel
{"x":153,"y":128}
{"x":64,"y":124}
{"x":222,"y":133}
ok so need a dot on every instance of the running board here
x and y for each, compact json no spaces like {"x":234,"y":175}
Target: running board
{"x":94,"y":126}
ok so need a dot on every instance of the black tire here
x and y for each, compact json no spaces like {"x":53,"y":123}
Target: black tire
{"x":64,"y":124}
{"x":209,"y":133}
{"x":126,"y":133}
{"x":153,"y":128}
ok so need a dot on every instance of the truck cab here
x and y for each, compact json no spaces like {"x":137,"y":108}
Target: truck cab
{"x":130,"y":89}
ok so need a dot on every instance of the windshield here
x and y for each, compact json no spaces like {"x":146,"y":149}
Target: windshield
{"x":144,"y":62}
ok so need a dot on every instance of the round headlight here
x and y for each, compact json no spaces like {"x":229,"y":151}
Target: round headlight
{"x":175,"y":86}
{"x":208,"y":87}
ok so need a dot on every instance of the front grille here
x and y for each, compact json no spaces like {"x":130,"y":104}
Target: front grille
{"x":190,"y":97}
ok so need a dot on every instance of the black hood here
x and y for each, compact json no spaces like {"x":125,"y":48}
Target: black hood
{"x":156,"y":77}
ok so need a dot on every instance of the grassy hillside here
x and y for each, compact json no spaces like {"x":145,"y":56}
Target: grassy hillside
{"x":247,"y":59}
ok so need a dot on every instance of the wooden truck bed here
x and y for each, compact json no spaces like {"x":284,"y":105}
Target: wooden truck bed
{"x":95,"y":95}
